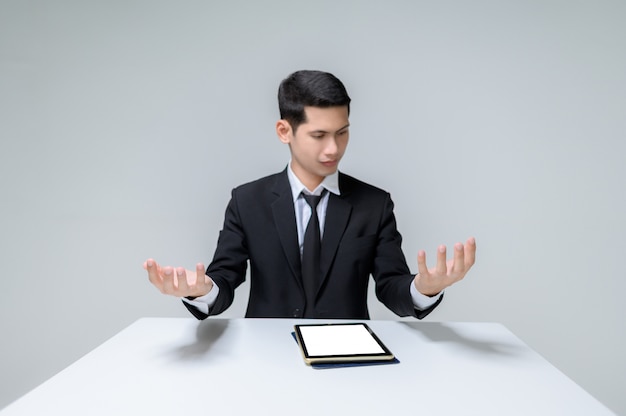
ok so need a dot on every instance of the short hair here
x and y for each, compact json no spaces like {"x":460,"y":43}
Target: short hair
{"x":309,"y":88}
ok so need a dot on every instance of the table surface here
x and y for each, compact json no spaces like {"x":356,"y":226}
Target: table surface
{"x":253,"y":366}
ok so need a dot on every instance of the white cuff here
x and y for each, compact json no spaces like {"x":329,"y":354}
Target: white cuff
{"x":204,"y":303}
{"x":421,"y":301}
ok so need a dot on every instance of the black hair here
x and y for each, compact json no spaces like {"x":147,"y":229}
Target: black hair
{"x":312,"y":89}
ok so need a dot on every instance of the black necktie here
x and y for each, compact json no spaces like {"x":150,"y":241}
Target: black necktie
{"x":311,"y":255}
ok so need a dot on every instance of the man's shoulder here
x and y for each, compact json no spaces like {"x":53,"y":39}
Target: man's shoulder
{"x":264,"y":183}
{"x":349,"y":184}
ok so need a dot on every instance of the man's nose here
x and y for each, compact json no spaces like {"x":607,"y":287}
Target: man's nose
{"x":331,"y":146}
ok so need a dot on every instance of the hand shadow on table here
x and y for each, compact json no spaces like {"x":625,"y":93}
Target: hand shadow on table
{"x":207,"y":333}
{"x":442,"y":333}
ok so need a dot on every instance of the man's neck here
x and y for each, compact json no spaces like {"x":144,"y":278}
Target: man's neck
{"x":309,"y":181}
{"x":329,"y":182}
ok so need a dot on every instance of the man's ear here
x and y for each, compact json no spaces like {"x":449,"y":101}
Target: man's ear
{"x":283,"y":130}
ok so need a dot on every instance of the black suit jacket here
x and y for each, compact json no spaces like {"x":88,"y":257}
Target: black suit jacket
{"x":360,"y":239}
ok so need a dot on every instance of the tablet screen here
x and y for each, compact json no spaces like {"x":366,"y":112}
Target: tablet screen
{"x":340,"y":342}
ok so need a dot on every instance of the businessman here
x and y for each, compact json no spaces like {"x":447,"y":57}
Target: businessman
{"x":311,"y":235}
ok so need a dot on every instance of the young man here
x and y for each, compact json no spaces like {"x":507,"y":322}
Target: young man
{"x":311,"y":256}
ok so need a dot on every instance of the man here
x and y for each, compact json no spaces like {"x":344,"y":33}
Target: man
{"x":311,"y":234}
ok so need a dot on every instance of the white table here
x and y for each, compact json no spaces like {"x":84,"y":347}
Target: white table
{"x":165,"y":366}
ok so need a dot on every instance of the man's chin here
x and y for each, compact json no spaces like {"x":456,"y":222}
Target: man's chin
{"x":328,"y":171}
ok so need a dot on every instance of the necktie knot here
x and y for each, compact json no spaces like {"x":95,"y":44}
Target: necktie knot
{"x":312,"y":200}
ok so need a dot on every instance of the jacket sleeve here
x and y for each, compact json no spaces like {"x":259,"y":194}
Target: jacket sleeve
{"x":390,"y":272}
{"x":229,"y":265}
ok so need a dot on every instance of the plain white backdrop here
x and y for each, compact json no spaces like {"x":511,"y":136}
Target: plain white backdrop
{"x":125,"y":124}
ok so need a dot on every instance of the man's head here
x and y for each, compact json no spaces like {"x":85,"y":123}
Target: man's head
{"x":314,"y":109}
{"x":309,"y":89}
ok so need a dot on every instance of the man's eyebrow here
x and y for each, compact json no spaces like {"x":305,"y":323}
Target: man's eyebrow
{"x":326,"y":131}
{"x":344,"y":127}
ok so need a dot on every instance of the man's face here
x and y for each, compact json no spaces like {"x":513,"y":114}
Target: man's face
{"x":318,"y":144}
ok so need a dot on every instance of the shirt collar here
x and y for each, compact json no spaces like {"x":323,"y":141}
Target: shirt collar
{"x":330,"y":183}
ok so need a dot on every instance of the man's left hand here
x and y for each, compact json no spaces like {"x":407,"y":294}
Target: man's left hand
{"x":432,"y":281}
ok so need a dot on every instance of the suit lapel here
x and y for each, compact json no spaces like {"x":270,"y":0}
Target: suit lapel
{"x":337,"y":216}
{"x":285,"y":220}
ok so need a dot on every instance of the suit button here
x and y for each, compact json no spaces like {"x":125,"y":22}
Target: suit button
{"x":297,"y":313}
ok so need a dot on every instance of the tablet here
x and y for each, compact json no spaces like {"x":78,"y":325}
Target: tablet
{"x":337,"y":343}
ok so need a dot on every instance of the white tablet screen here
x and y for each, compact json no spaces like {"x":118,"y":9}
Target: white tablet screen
{"x":334,"y":340}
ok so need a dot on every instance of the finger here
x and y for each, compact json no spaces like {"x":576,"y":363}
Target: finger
{"x":459,"y":259}
{"x":149,"y":263}
{"x":169,"y":282}
{"x":421,"y":263}
{"x":470,"y":252}
{"x":201,"y":276}
{"x":153,"y":273}
{"x":181,"y":280}
{"x":441,"y":268}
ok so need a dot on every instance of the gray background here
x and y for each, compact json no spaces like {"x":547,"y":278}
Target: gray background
{"x":125,"y":124}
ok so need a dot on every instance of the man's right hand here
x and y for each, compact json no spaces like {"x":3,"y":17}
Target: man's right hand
{"x":178,"y":281}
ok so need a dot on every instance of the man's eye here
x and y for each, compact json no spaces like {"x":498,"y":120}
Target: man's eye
{"x":318,"y":136}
